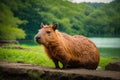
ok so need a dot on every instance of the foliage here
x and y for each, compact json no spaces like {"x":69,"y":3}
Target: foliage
{"x":11,"y":33}
{"x":9,"y":24}
{"x":104,"y":21}
{"x":89,"y":19}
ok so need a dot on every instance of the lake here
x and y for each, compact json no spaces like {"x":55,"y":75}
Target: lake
{"x":108,"y":47}
{"x":106,"y":42}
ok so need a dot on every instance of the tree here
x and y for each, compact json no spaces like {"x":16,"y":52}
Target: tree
{"x":89,"y":19}
{"x":9,"y":24}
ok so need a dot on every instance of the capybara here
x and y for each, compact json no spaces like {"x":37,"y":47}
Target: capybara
{"x":72,"y":51}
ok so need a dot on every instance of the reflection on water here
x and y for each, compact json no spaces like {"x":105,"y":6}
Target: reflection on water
{"x":106,"y":42}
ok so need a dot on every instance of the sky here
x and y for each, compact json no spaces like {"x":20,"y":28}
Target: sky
{"x":98,"y":1}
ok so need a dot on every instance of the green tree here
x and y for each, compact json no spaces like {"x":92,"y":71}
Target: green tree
{"x":104,"y":21}
{"x":9,"y":24}
{"x":89,"y":19}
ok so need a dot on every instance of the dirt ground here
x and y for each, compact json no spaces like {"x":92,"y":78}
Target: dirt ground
{"x":21,"y":71}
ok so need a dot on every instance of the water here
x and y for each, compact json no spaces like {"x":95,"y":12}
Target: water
{"x":108,"y":47}
{"x":106,"y":42}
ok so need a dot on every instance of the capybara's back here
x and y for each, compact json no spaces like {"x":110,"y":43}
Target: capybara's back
{"x":71,"y":51}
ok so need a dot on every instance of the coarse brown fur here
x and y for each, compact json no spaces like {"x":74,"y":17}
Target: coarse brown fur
{"x":71,"y":51}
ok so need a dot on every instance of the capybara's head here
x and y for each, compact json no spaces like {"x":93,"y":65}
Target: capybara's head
{"x":46,"y":34}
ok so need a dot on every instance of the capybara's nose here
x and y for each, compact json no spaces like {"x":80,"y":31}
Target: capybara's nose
{"x":37,"y":38}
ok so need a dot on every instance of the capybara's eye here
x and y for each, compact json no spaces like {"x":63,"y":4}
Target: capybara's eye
{"x":48,"y":32}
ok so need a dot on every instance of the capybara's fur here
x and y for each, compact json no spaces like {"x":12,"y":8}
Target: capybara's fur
{"x":71,"y":51}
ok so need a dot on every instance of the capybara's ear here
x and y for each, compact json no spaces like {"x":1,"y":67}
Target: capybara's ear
{"x":55,"y":26}
{"x":41,"y":25}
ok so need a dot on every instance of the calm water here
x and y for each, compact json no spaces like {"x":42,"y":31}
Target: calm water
{"x":108,"y":47}
{"x":106,"y":42}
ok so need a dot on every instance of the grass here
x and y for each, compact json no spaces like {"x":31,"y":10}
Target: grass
{"x":104,"y":61}
{"x":28,"y":54}
{"x":35,"y":54}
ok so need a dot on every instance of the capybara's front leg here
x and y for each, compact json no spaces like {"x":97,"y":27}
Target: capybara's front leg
{"x":56,"y":63}
{"x":64,"y":61}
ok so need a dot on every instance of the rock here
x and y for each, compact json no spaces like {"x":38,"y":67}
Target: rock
{"x":113,"y":66}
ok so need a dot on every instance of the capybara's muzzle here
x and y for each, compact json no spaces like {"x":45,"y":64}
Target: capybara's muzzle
{"x":37,"y":39}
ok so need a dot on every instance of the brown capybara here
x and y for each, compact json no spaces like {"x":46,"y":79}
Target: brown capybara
{"x":71,"y":51}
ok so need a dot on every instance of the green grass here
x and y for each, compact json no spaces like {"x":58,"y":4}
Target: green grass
{"x":34,"y":54}
{"x":104,"y":61}
{"x":29,"y":54}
